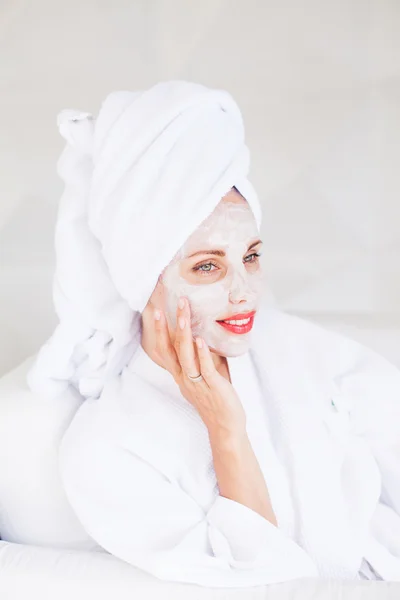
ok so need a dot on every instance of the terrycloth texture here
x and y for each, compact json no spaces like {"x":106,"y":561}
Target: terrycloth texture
{"x":139,"y":180}
{"x":324,"y":422}
{"x":155,"y":488}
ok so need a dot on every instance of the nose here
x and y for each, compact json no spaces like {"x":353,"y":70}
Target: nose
{"x":240,"y":291}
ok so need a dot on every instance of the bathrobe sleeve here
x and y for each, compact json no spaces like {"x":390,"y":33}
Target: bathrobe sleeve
{"x":137,"y":514}
{"x":372,"y":386}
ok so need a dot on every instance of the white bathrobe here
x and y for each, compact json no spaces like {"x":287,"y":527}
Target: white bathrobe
{"x":324,"y":421}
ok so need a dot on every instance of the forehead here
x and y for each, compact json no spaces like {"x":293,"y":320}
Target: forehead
{"x":231,"y":223}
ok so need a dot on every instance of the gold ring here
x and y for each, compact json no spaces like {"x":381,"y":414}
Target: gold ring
{"x":196,"y":377}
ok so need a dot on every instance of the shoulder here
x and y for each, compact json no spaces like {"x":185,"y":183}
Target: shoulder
{"x":323,"y":350}
{"x":317,"y":342}
{"x":364,"y":381}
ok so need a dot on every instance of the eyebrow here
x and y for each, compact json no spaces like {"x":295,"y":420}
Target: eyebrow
{"x":221,"y":252}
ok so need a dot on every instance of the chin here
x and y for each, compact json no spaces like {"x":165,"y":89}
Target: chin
{"x":231,"y":352}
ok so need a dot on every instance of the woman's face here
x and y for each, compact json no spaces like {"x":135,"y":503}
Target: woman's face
{"x":218,"y":270}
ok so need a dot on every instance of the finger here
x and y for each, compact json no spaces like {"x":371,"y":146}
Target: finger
{"x":184,"y":340}
{"x":164,"y":345}
{"x":207,"y":366}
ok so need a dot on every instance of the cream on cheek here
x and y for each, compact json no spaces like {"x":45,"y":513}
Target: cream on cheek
{"x":216,"y":296}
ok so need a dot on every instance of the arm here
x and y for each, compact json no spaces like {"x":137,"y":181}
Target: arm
{"x":238,"y":472}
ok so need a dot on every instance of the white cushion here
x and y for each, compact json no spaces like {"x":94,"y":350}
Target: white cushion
{"x":32,"y":572}
{"x":46,"y":574}
{"x":33,"y":506}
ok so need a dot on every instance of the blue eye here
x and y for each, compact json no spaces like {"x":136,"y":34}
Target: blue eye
{"x":203,"y":270}
{"x":206,"y":268}
{"x":256,"y":255}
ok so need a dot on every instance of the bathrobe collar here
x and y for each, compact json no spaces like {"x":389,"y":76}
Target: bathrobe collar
{"x":312,"y":426}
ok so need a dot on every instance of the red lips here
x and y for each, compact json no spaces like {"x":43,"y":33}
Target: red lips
{"x":239,"y":316}
{"x":240,"y":329}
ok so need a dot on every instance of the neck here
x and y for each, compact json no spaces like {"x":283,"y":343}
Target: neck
{"x":221,"y":364}
{"x":219,"y":361}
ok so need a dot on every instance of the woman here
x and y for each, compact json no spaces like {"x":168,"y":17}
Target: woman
{"x":221,"y":441}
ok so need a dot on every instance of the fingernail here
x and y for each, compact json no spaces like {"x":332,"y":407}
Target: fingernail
{"x":157,"y":315}
{"x":181,"y":303}
{"x":199,"y":342}
{"x":181,"y":322}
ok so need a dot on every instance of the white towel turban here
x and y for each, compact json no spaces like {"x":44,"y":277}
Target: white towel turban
{"x":139,"y":179}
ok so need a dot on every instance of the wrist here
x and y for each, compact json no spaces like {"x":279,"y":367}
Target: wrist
{"x":225,"y":426}
{"x":228,"y":439}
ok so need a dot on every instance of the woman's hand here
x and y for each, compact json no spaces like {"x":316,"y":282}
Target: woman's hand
{"x":214,"y":396}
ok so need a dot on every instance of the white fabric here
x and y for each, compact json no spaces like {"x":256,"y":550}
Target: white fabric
{"x":336,"y":404}
{"x":139,"y":180}
{"x":255,"y":401}
{"x":46,"y":574}
{"x":33,"y":505}
{"x":137,"y":469}
{"x":147,"y":472}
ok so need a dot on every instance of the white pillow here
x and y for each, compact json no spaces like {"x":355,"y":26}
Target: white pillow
{"x":54,"y":574}
{"x":33,"y":505}
{"x":46,"y":574}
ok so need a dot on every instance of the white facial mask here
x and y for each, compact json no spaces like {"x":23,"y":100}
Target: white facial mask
{"x":235,"y":289}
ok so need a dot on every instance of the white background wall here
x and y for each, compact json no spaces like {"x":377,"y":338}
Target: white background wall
{"x":318,"y":82}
